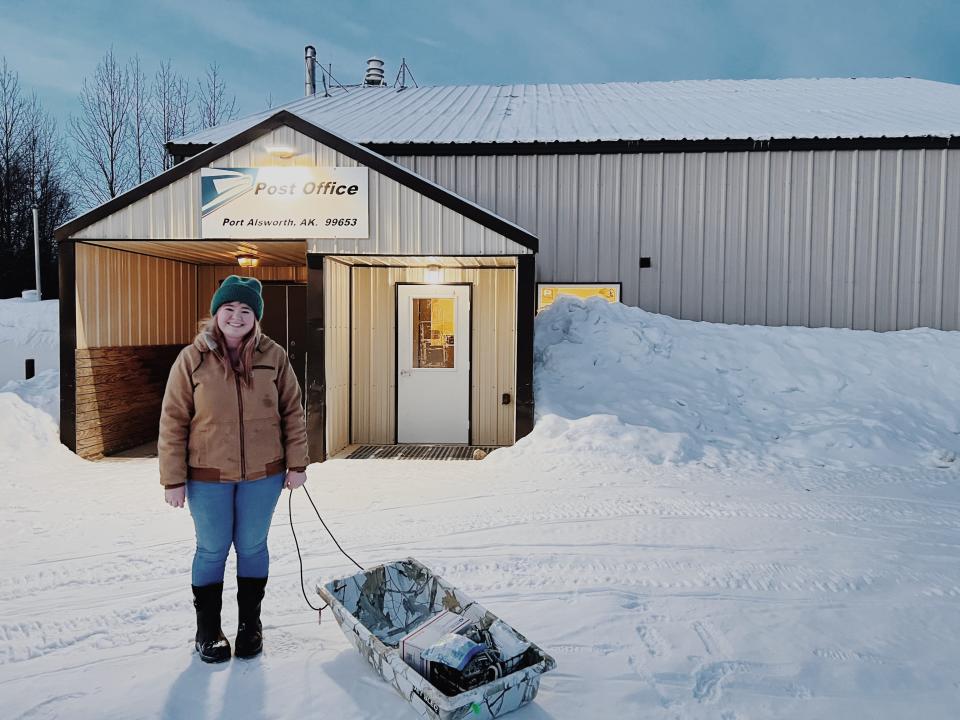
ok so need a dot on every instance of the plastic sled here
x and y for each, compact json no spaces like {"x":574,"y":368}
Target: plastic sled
{"x":376,"y":608}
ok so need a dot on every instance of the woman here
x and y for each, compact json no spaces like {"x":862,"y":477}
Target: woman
{"x":232,"y":435}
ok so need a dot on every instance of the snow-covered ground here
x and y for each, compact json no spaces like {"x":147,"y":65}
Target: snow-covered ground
{"x":707,"y":522}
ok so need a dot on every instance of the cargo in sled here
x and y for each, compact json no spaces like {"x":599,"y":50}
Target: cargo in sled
{"x":469,"y":663}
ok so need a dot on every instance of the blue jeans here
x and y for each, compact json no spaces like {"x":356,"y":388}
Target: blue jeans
{"x":237,"y":513}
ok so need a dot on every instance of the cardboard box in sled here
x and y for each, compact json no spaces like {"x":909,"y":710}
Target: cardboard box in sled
{"x":379,"y":607}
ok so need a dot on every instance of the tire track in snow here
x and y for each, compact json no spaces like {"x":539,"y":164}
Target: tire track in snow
{"x":26,"y":640}
{"x":568,"y":572}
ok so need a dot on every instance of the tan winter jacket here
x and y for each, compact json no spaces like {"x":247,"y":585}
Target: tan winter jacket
{"x":218,"y":429}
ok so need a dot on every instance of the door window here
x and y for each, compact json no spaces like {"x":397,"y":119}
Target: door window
{"x":433,"y":332}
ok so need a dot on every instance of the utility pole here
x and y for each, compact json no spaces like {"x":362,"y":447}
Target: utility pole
{"x":36,"y":248}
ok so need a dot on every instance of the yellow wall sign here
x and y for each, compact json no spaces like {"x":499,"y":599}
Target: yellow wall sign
{"x":548,"y":293}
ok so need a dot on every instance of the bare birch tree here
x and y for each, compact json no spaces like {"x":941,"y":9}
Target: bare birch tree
{"x":170,"y":105}
{"x":101,"y":162}
{"x":213,"y":104}
{"x":143,"y":155}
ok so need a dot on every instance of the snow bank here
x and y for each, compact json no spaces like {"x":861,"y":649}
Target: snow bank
{"x":28,"y":432}
{"x":659,"y":390}
{"x":28,"y":330}
{"x":41,"y":391}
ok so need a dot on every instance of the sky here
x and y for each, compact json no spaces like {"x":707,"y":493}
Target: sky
{"x":259,"y":45}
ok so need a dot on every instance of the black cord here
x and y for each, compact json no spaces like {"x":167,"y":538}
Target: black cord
{"x":300,"y":557}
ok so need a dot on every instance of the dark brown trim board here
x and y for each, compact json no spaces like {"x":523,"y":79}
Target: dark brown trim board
{"x":68,"y":345}
{"x":362,"y":155}
{"x":627,"y":147}
{"x":316,"y":380}
{"x":526,"y":311}
{"x":600,"y":147}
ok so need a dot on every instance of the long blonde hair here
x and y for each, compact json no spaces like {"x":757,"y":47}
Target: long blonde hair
{"x":244,"y":368}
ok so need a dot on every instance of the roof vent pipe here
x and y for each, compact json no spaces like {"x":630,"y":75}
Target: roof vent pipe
{"x":310,"y":67}
{"x":374,"y":74}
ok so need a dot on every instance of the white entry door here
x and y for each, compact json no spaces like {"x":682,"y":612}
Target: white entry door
{"x":433,"y":363}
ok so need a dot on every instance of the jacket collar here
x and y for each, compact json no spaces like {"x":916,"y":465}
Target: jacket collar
{"x":205,"y":342}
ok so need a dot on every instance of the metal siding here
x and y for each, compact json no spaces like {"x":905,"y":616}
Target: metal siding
{"x":722,"y":298}
{"x":779,"y":208}
{"x":874,"y":240}
{"x":692,"y":235}
{"x":798,"y":238}
{"x":889,"y":180}
{"x":360,"y":353}
{"x":951,"y":250}
{"x":862,"y":251}
{"x":842,"y":222}
{"x":930,"y":266}
{"x":911,"y":224}
{"x":610,"y":231}
{"x":651,"y":230}
{"x":547,"y":198}
{"x":336,"y":315}
{"x":113,"y":310}
{"x":487,"y":181}
{"x":527,"y":185}
{"x":820,"y":249}
{"x":587,"y":250}
{"x":627,"y":260}
{"x":671,"y":235}
{"x":506,"y":357}
{"x":568,"y":183}
{"x":506,"y":188}
{"x":757,"y":238}
{"x":493,"y":351}
{"x":466,"y":178}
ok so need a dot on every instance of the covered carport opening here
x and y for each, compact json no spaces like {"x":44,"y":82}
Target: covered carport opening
{"x":372,"y":349}
{"x":136,"y":304}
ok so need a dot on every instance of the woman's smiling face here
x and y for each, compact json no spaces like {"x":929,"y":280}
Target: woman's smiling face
{"x":235,"y":320}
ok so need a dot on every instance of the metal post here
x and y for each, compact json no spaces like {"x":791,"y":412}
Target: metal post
{"x":310,"y":78}
{"x":29,"y":368}
{"x":36,"y":249}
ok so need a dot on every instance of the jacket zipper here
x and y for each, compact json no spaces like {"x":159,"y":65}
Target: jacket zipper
{"x":243,"y":459}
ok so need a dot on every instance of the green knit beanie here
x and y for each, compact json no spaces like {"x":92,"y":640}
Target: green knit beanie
{"x":239,"y":289}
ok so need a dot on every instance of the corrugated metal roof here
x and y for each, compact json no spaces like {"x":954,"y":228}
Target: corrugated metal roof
{"x":678,"y":110}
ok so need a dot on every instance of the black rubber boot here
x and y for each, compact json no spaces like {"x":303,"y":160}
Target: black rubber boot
{"x":249,"y":630}
{"x":211,"y":643}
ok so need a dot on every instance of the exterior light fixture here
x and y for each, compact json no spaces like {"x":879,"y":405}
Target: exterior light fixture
{"x":247,"y":261}
{"x":433,"y":274}
{"x":282,"y":151}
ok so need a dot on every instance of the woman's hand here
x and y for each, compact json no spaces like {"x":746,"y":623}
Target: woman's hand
{"x":175,"y":496}
{"x":294,"y":479}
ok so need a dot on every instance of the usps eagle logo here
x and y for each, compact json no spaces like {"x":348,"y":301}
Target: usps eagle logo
{"x":218,"y":186}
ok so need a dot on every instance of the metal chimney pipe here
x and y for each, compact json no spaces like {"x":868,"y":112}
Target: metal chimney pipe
{"x":310,"y":62}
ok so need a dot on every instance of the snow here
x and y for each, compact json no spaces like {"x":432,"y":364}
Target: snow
{"x":707,"y":522}
{"x":28,"y":329}
{"x":785,"y":108}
